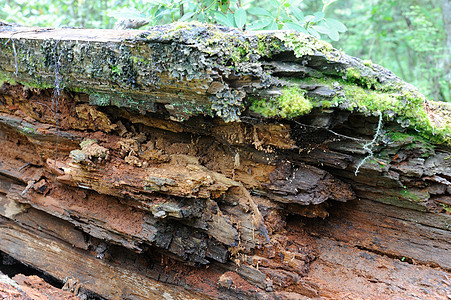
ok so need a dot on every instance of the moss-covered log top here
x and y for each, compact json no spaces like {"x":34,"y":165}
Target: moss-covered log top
{"x":187,"y":69}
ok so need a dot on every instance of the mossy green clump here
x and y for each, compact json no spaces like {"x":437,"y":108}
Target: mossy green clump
{"x":367,"y":62}
{"x":292,"y":103}
{"x":400,"y":105}
{"x":411,"y":141}
{"x":355,"y":76}
{"x":35,"y":83}
{"x":408,"y":139}
{"x":5,"y":78}
{"x":28,"y":130}
{"x":408,"y":110}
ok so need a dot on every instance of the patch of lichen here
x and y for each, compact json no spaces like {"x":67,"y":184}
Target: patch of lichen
{"x":25,"y":64}
{"x":206,"y":51}
{"x":240,"y":48}
{"x":304,"y":44}
{"x":218,"y":41}
{"x":231,"y":51}
{"x":292,"y":103}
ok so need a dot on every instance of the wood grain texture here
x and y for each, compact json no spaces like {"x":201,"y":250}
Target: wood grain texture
{"x":61,"y":260}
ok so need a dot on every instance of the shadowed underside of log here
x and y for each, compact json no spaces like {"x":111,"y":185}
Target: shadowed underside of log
{"x":199,"y":161}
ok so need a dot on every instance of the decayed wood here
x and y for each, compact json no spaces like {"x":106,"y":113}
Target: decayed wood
{"x":23,"y":287}
{"x":134,"y":161}
{"x":365,"y":236}
{"x":116,"y":217}
{"x":62,"y":260}
{"x":376,"y":228}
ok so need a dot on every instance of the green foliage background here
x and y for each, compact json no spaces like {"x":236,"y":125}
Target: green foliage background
{"x":408,"y":37}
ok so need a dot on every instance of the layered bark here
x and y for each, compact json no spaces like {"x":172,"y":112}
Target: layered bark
{"x":152,"y":165}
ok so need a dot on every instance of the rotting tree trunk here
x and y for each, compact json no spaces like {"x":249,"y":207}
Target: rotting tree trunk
{"x":200,"y":161}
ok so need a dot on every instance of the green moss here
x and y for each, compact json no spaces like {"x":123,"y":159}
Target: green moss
{"x":405,"y":193}
{"x":399,"y":105}
{"x":229,"y":45}
{"x":355,"y":76}
{"x":403,"y":197}
{"x":367,"y":62}
{"x":5,"y":78}
{"x":36,"y":82}
{"x":413,"y":142}
{"x":292,"y":103}
{"x":115,"y":70}
{"x":28,"y":130}
{"x":83,"y":90}
{"x":267,"y":46}
{"x":408,"y":139}
{"x":400,"y":137}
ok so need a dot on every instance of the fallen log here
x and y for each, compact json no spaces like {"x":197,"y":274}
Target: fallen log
{"x":202,"y":161}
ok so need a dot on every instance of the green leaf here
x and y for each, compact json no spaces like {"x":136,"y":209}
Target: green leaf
{"x":309,"y":19}
{"x":294,"y":26}
{"x":328,"y":2}
{"x":201,"y":18}
{"x":318,"y":16}
{"x":260,"y":24}
{"x":298,"y":14}
{"x":187,"y":16}
{"x":224,"y":19}
{"x":321,"y":29}
{"x":224,"y":5}
{"x":313,"y":32}
{"x":337,"y":25}
{"x":274,"y":3}
{"x":333,"y":35}
{"x":240,"y":17}
{"x":257,"y":11}
{"x":163,"y":12}
{"x":271,"y":26}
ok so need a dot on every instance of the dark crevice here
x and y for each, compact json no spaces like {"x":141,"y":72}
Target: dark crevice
{"x":12,"y":267}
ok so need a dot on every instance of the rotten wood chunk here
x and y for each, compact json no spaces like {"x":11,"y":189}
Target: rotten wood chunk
{"x":36,"y":288}
{"x":23,"y":287}
{"x":303,"y":184}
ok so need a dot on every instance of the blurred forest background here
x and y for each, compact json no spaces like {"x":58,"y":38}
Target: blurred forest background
{"x":411,"y":37}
